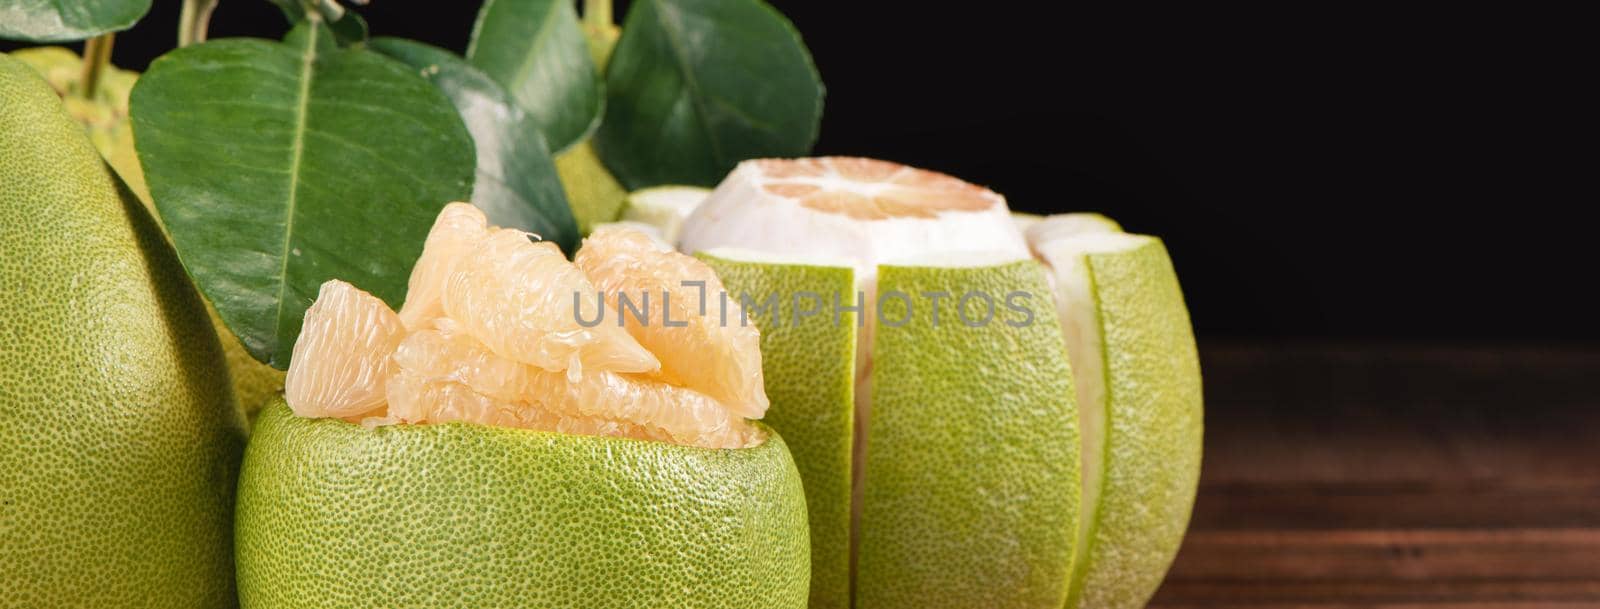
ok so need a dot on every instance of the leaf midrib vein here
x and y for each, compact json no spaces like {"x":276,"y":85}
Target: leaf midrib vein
{"x":679,"y":56}
{"x":302,"y":109}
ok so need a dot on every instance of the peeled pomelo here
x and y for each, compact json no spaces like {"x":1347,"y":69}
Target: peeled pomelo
{"x":1024,"y":220}
{"x":332,"y":514}
{"x":340,"y":369}
{"x":495,"y":332}
{"x":966,"y":451}
{"x":1138,"y":378}
{"x":119,"y":437}
{"x":1061,"y":226}
{"x":526,"y":302}
{"x":486,"y":457}
{"x":699,"y":349}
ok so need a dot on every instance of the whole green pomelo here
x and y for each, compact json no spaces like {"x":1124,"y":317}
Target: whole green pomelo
{"x":119,"y":436}
{"x":105,"y":117}
{"x":336,"y":515}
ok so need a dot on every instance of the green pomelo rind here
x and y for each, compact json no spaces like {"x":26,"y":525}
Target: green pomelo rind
{"x":121,"y":440}
{"x":335,"y":515}
{"x":105,"y":117}
{"x":106,"y":120}
{"x":1154,"y":427}
{"x":971,"y":486}
{"x":809,"y":370}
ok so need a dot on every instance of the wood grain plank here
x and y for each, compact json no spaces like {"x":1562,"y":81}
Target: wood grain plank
{"x":1397,"y":476}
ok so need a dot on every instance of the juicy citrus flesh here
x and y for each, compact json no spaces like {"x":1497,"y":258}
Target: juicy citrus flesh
{"x":708,"y":352}
{"x":502,"y":330}
{"x":870,"y":189}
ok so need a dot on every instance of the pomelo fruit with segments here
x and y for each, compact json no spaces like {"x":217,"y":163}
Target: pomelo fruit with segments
{"x":914,"y":459}
{"x":489,"y":335}
{"x":971,"y":502}
{"x":335,"y":515}
{"x":497,"y":474}
{"x":121,"y":439}
{"x":1139,"y":396}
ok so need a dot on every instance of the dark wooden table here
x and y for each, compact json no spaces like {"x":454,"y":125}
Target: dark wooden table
{"x":1398,"y":476}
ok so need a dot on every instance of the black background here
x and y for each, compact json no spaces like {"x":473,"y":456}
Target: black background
{"x":1361,"y":174}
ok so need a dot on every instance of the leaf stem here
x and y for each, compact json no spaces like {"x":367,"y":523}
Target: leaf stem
{"x":194,"y":21}
{"x":597,"y":13}
{"x":96,"y":56}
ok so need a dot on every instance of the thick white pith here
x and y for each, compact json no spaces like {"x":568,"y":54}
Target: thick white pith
{"x":663,"y":208}
{"x":1079,"y":312}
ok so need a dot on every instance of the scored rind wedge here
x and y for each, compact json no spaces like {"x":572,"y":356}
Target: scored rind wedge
{"x":964,"y":493}
{"x":1142,"y":409}
{"x":813,"y":395}
{"x":967,"y":484}
{"x":971,"y":479}
{"x":338,"y":516}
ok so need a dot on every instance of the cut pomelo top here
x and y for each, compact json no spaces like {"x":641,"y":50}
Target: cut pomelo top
{"x":867,"y":211}
{"x":870,"y":189}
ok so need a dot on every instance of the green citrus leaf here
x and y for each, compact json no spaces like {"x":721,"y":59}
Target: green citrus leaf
{"x":695,"y":86}
{"x":277,"y":166}
{"x":517,"y":184}
{"x":537,"y":51}
{"x":66,"y":20}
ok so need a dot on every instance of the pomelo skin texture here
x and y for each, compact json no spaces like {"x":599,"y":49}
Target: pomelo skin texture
{"x":119,"y":435}
{"x":969,"y":497}
{"x":971,"y":483}
{"x":812,"y":398}
{"x":337,"y":516}
{"x":1150,"y":463}
{"x":106,"y":120}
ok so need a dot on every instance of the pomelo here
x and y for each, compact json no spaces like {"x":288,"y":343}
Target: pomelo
{"x":1060,"y":226}
{"x":497,"y":450}
{"x":968,"y":467}
{"x":105,"y":117}
{"x":663,"y":207}
{"x":1139,"y":398}
{"x":119,"y":437}
{"x":335,"y":515}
